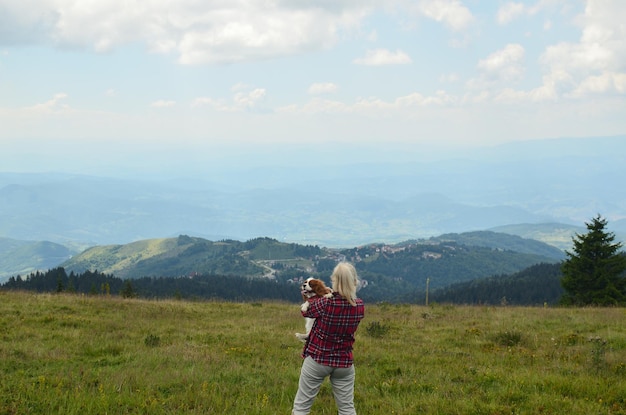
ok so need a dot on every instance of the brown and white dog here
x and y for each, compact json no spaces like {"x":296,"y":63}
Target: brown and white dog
{"x":311,"y":289}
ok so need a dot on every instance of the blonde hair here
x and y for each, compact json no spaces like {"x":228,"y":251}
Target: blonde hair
{"x":345,"y":281}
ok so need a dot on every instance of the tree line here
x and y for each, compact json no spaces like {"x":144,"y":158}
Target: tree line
{"x":209,"y":286}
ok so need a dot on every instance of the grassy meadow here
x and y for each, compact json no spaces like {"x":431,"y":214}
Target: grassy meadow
{"x":69,"y":354}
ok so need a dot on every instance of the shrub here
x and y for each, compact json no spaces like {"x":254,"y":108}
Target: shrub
{"x":508,"y":338}
{"x":152,"y":340}
{"x":376,"y":329}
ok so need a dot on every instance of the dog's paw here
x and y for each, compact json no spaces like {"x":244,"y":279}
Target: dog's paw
{"x":302,"y":337}
{"x":328,"y":295}
{"x":304,"y":307}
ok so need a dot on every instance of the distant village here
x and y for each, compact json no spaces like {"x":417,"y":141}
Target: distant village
{"x":364,"y":252}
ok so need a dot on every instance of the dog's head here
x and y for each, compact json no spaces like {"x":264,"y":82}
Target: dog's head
{"x":314,"y":287}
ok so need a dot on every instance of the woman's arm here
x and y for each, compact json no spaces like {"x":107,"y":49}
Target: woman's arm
{"x":314,"y":308}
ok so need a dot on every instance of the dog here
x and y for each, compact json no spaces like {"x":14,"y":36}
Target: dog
{"x":311,"y":289}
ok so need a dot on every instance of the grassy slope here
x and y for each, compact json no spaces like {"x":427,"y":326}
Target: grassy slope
{"x":164,"y":256}
{"x":93,"y":355}
{"x":112,"y":258}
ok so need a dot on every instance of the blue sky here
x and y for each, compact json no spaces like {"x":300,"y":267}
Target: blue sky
{"x":121,"y":78}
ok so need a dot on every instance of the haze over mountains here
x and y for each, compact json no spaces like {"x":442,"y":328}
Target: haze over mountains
{"x":332,"y":197}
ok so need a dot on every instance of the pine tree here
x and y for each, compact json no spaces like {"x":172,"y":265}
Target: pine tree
{"x":128,"y":291}
{"x":593,"y":273}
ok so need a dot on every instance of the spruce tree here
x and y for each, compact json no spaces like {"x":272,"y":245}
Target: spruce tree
{"x":593,"y":273}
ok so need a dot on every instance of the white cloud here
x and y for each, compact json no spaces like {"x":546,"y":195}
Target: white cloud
{"x":595,"y":65}
{"x":373,"y":106}
{"x":240,"y":86}
{"x":249,"y":100}
{"x":322,"y":88}
{"x":452,"y":13}
{"x":210,"y":102}
{"x":55,"y":104}
{"x":597,"y":62}
{"x":509,"y":12}
{"x":163,"y":104}
{"x":514,"y":10}
{"x":215,"y":32}
{"x":608,"y":82}
{"x":379,"y":57}
{"x":242,"y":100}
{"x":505,"y":64}
{"x":197,"y":32}
{"x":256,"y":34}
{"x":547,"y":25}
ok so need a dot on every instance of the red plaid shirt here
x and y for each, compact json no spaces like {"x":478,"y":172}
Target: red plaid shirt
{"x":331,"y":339}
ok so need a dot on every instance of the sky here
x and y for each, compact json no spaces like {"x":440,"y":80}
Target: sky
{"x":82,"y":80}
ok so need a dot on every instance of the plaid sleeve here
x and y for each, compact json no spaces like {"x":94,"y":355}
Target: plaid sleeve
{"x":316,"y":307}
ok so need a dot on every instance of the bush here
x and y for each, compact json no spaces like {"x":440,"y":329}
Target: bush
{"x":376,"y":329}
{"x":508,"y":338}
{"x":152,"y":340}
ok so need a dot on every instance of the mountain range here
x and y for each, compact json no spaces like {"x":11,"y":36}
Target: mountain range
{"x":543,"y":189}
{"x":565,"y":182}
{"x":185,"y":255}
{"x":393,"y":269}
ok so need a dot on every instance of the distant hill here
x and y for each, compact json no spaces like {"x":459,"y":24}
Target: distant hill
{"x":555,"y":234}
{"x":509,"y":241}
{"x":22,"y":257}
{"x":558,"y":234}
{"x":185,"y":255}
{"x":445,"y":260}
{"x":391,"y":272}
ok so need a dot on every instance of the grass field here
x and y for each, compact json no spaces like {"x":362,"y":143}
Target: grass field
{"x":64,"y":354}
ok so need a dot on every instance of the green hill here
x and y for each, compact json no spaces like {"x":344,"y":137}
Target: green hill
{"x":394,"y":273}
{"x":437,"y":263}
{"x":390,"y":270}
{"x":185,"y":255}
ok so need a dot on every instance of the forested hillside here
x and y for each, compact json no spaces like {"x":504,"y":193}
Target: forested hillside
{"x":185,"y":255}
{"x":537,"y":285}
{"x":396,"y":267}
{"x":193,"y":267}
{"x":441,"y":264}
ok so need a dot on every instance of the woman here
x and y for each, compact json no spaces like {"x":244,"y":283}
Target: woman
{"x":328,"y":351}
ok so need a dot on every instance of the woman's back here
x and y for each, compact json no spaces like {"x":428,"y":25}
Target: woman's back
{"x":332,"y":337}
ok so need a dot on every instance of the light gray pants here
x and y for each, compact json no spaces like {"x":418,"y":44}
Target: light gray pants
{"x":312,"y":375}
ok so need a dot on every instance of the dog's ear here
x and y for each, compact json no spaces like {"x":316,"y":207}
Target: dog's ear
{"x":314,"y":284}
{"x":319,"y":287}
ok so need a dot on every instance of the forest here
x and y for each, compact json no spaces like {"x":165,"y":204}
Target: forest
{"x":537,"y":285}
